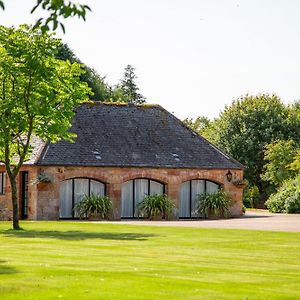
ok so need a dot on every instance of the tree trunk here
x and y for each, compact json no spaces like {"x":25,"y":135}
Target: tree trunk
{"x":14,"y":199}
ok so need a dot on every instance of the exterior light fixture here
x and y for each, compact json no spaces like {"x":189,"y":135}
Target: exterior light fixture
{"x":229,"y":176}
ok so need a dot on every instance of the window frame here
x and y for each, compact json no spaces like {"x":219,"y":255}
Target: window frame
{"x":3,"y":182}
{"x":191,"y":193}
{"x":89,"y":192}
{"x":134,"y":192}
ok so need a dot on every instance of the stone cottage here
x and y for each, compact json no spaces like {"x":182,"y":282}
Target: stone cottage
{"x":124,"y":152}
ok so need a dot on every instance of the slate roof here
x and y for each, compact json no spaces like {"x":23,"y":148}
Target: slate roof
{"x":36,"y":149}
{"x":133,"y":136}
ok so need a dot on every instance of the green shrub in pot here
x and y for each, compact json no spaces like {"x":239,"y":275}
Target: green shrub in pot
{"x":155,"y":207}
{"x":94,"y":206}
{"x":215,"y":205}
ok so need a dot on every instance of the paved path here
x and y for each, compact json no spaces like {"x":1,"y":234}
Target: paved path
{"x":252,"y":220}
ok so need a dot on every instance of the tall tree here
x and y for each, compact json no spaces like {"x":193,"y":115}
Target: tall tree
{"x":248,"y":125}
{"x":57,"y":10}
{"x":37,"y":97}
{"x":278,"y":156}
{"x":202,"y":126}
{"x":129,"y":88}
{"x":101,"y":90}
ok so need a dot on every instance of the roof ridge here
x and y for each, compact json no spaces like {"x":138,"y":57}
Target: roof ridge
{"x":107,"y":103}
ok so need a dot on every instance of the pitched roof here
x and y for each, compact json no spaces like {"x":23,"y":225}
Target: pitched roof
{"x":36,"y":147}
{"x":133,"y":136}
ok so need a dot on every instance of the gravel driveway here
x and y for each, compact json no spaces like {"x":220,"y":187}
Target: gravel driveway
{"x":252,"y":220}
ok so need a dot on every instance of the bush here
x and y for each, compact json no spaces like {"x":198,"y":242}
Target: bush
{"x":287,"y":198}
{"x":292,"y":204}
{"x":94,"y":206}
{"x":214,"y":205}
{"x":276,"y":202}
{"x":251,"y":196}
{"x":156,"y":206}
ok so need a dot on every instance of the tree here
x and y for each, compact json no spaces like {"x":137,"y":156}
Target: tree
{"x":198,"y":125}
{"x":56,"y":9}
{"x":295,"y":164}
{"x":129,"y":87}
{"x":37,"y":97}
{"x":248,"y":125}
{"x":101,"y":91}
{"x":202,"y":126}
{"x":278,"y":156}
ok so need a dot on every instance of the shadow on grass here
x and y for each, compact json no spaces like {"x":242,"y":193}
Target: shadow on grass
{"x":5,"y":269}
{"x":76,"y":235}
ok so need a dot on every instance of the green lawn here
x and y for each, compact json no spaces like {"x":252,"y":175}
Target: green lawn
{"x":73,"y":260}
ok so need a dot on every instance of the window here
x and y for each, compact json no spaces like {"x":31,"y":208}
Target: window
{"x":73,"y":190}
{"x":189,"y":192}
{"x":2,"y":183}
{"x":134,"y":191}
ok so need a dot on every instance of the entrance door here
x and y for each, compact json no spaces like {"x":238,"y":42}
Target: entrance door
{"x":24,"y":194}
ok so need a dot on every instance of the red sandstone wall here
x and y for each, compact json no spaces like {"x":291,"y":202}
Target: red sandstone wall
{"x":5,"y":200}
{"x":44,"y":197}
{"x":48,"y":194}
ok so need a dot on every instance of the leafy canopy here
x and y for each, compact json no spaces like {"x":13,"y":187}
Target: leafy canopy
{"x":38,"y":92}
{"x":57,"y":9}
{"x":278,"y":156}
{"x":100,"y":90}
{"x":248,"y":125}
{"x":202,"y":126}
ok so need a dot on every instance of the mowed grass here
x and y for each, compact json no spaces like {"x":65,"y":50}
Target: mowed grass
{"x":74,"y":260}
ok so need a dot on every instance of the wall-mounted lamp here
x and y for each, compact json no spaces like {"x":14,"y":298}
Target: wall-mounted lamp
{"x":229,"y":176}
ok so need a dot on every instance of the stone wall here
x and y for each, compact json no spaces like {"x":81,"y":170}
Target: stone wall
{"x":44,"y":197}
{"x":48,"y":193}
{"x":5,"y":199}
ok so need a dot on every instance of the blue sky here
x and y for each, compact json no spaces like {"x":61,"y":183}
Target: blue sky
{"x":191,"y":56}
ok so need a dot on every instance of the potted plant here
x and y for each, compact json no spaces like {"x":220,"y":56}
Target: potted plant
{"x":241,"y":183}
{"x":214,"y":205}
{"x":156,"y":207}
{"x":94,"y":207}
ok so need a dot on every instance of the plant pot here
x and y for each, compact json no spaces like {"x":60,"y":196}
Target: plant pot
{"x":156,"y":218}
{"x":95,"y":218}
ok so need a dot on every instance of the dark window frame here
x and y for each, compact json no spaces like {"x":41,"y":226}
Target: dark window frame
{"x":3,"y":183}
{"x":191,"y":193}
{"x":24,"y":194}
{"x":148,"y":192}
{"x":89,"y":190}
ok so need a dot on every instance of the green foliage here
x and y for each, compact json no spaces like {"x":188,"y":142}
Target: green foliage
{"x":278,"y":156}
{"x":202,"y":126}
{"x":251,"y":196}
{"x":38,"y":92}
{"x":155,"y":206}
{"x":292,"y":204}
{"x":287,"y":199}
{"x":129,"y":89}
{"x":248,"y":125}
{"x":213,"y":205}
{"x":94,"y":206}
{"x":57,"y":9}
{"x":37,"y":96}
{"x":100,"y":90}
{"x":295,"y":164}
{"x":276,"y":202}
